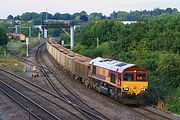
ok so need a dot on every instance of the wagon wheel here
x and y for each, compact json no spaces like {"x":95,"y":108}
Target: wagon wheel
{"x":90,"y":85}
{"x":86,"y":82}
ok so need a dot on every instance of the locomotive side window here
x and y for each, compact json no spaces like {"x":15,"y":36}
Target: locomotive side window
{"x":94,"y":70}
{"x":128,"y":77}
{"x":113,"y":78}
{"x":141,"y":77}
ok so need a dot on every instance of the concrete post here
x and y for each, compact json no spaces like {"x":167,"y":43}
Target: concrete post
{"x":16,"y":28}
{"x":29,"y":32}
{"x":45,"y":33}
{"x":72,"y":37}
{"x":39,"y":35}
{"x":27,"y":42}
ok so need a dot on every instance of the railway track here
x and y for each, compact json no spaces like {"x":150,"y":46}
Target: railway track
{"x":153,"y":115}
{"x":63,"y":91}
{"x":39,"y":96}
{"x":37,"y":110}
{"x":31,"y":115}
{"x":24,"y":60}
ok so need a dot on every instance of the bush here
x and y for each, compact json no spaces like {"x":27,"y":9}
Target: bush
{"x":169,"y":69}
{"x":173,"y":101}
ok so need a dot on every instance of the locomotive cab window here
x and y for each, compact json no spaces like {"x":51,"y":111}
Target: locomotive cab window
{"x":141,"y":76}
{"x":128,"y":77}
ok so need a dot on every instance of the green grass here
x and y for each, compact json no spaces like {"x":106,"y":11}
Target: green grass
{"x":12,"y":64}
{"x":173,"y":101}
{"x":20,"y":47}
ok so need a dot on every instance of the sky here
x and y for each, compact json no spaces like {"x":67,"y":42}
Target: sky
{"x":17,"y":7}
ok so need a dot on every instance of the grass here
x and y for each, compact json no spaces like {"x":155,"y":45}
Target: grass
{"x":11,"y":63}
{"x":20,"y":47}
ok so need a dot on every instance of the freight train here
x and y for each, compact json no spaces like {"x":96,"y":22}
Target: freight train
{"x":126,"y":83}
{"x":17,"y":36}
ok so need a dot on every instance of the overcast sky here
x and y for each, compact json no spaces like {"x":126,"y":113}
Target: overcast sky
{"x":17,"y":7}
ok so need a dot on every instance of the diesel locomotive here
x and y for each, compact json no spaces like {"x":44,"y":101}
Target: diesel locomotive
{"x":126,"y":83}
{"x":17,"y":36}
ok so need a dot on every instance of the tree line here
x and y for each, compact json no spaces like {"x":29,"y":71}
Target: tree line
{"x":37,"y":18}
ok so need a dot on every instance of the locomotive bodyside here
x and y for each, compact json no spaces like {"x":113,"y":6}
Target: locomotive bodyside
{"x":17,"y":36}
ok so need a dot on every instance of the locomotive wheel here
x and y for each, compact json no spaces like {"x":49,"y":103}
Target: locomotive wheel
{"x":94,"y":86}
{"x":124,"y":102}
{"x":97,"y":87}
{"x":120,"y":100}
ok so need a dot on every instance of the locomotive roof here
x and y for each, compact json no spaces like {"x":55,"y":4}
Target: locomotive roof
{"x":110,"y":64}
{"x":16,"y":34}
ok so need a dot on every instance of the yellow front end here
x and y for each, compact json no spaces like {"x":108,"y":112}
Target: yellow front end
{"x":134,"y":87}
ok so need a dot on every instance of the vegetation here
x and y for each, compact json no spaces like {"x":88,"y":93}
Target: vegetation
{"x":23,"y":28}
{"x":139,"y":15}
{"x":153,"y":44}
{"x":37,"y":18}
{"x":11,"y":63}
{"x":20,"y":48}
{"x":3,"y":36}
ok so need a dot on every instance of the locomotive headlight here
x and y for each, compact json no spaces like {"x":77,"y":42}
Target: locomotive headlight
{"x":143,"y":89}
{"x":126,"y":89}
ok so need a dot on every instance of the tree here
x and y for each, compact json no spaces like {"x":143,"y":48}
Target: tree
{"x":66,"y":16}
{"x":26,"y":16}
{"x":95,"y":16}
{"x":175,"y":10}
{"x":122,"y":15}
{"x":43,"y":15}
{"x":17,"y":17}
{"x":84,"y":18}
{"x":10,"y":17}
{"x":75,"y":15}
{"x":169,"y":11}
{"x":57,"y":16}
{"x":83,"y":13}
{"x":3,"y":36}
{"x":37,"y":21}
{"x":169,"y":70}
{"x":113,"y":15}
